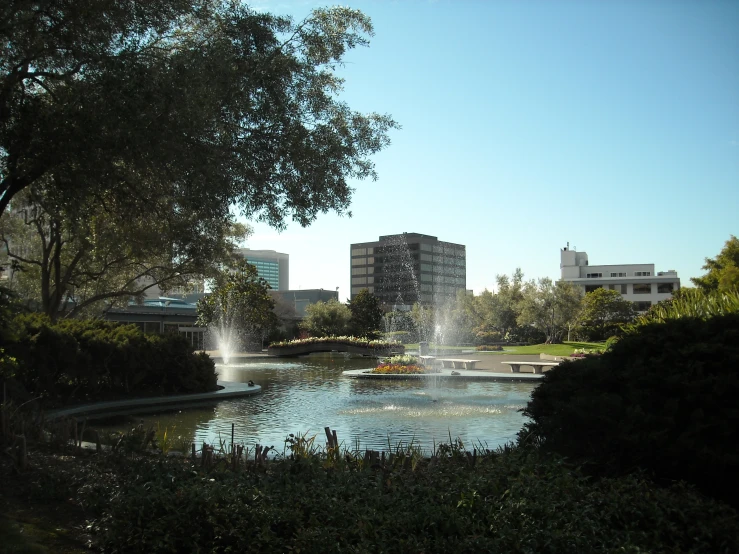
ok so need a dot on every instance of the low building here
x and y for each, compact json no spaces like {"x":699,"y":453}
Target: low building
{"x":300,"y":299}
{"x":637,"y":283}
{"x":162,"y":315}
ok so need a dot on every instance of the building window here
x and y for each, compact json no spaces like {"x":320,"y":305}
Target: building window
{"x":618,"y":275}
{"x":591,"y":288}
{"x":593,"y":275}
{"x":359,"y":280}
{"x":359,"y":252}
{"x":642,"y":306}
{"x":356,"y":290}
{"x":359,"y":271}
{"x":426,"y":257}
{"x":642,"y":288}
{"x":642,"y":273}
{"x":623,"y":289}
{"x":665,"y":287}
{"x":359,"y":261}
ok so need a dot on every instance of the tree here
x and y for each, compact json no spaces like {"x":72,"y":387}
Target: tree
{"x":366,"y":320}
{"x":550,"y":307}
{"x":326,"y":319}
{"x":723,"y":270}
{"x":506,"y":302}
{"x":71,"y":264}
{"x":239,"y":303}
{"x":603,"y":313}
{"x":136,"y":103}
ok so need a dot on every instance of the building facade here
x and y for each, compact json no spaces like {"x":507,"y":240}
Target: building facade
{"x":409,"y":268}
{"x":299,"y":300}
{"x":637,"y":283}
{"x":273,"y":267}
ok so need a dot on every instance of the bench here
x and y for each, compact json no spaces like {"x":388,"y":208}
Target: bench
{"x":426,"y":360}
{"x":538,"y":366}
{"x":457,"y":363}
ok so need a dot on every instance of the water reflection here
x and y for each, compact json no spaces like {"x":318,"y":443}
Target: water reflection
{"x":307,"y":394}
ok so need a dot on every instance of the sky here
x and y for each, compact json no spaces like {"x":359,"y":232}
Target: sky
{"x":613,"y":126}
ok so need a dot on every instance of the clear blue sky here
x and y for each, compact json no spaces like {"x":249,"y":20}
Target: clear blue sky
{"x":611,"y":125}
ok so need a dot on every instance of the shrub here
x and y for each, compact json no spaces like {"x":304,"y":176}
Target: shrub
{"x":489,"y":348}
{"x":511,"y":501}
{"x":662,"y":399}
{"x":486,"y":337}
{"x":82,"y":360}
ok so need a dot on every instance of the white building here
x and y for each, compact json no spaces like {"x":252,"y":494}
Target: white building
{"x":637,"y":283}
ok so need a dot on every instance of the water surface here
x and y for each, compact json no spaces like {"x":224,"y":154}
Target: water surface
{"x":304,"y":395}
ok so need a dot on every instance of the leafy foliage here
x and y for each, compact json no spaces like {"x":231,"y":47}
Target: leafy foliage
{"x":603,"y":313}
{"x":84,"y":360}
{"x":550,"y":307}
{"x":723,"y":270}
{"x":206,"y":103}
{"x":325,"y":319}
{"x":689,"y":303}
{"x":512,"y":501}
{"x":366,"y":319}
{"x":240,"y":300}
{"x":662,"y":399}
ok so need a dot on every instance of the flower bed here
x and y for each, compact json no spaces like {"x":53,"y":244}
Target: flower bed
{"x":348,"y":340}
{"x":489,"y":348}
{"x":398,"y":369}
{"x":401,"y":365}
{"x":353,"y":345}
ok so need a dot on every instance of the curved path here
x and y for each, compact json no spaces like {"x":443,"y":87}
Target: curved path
{"x":137,"y":405}
{"x":464,"y":375}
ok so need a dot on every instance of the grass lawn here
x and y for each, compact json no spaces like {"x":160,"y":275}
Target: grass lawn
{"x":564,"y":349}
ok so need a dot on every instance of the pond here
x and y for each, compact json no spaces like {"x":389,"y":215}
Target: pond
{"x":304,"y":395}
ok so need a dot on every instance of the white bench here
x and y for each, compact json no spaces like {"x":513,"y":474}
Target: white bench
{"x":426,"y":360}
{"x":538,"y":366}
{"x":457,"y":363}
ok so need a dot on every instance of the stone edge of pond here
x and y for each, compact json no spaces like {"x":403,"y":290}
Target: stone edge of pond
{"x":463,"y":375}
{"x":230,"y":390}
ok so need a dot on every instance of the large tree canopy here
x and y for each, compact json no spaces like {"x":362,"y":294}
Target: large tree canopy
{"x":206,"y":101}
{"x":723,"y":270}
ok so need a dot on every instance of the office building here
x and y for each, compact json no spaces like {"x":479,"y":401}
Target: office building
{"x":273,"y":267}
{"x":409,"y":268}
{"x":637,"y":283}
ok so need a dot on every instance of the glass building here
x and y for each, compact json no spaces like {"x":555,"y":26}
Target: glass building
{"x":408,"y":268}
{"x":273,"y":267}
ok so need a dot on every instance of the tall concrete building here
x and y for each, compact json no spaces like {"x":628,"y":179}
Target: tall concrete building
{"x":637,"y":283}
{"x":273,"y":267}
{"x":408,"y":268}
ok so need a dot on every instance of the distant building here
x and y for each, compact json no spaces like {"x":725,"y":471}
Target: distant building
{"x":273,"y":267}
{"x":409,"y":268}
{"x":300,"y":299}
{"x":637,"y":283}
{"x":162,"y":315}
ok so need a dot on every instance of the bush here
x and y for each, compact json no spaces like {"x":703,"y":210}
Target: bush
{"x":663,"y":399}
{"x":486,"y":337}
{"x":513,"y":501}
{"x":489,"y":348}
{"x":86,"y":359}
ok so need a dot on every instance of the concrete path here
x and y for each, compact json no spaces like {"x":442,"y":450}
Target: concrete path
{"x":137,"y":405}
{"x":465,"y":375}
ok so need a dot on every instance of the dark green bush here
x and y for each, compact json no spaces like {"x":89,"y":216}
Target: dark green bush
{"x":78,"y":360}
{"x":508,"y":502}
{"x":489,"y":348}
{"x":663,"y":399}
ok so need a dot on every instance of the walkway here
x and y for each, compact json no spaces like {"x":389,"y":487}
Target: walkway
{"x":463,"y":375}
{"x":138,"y":405}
